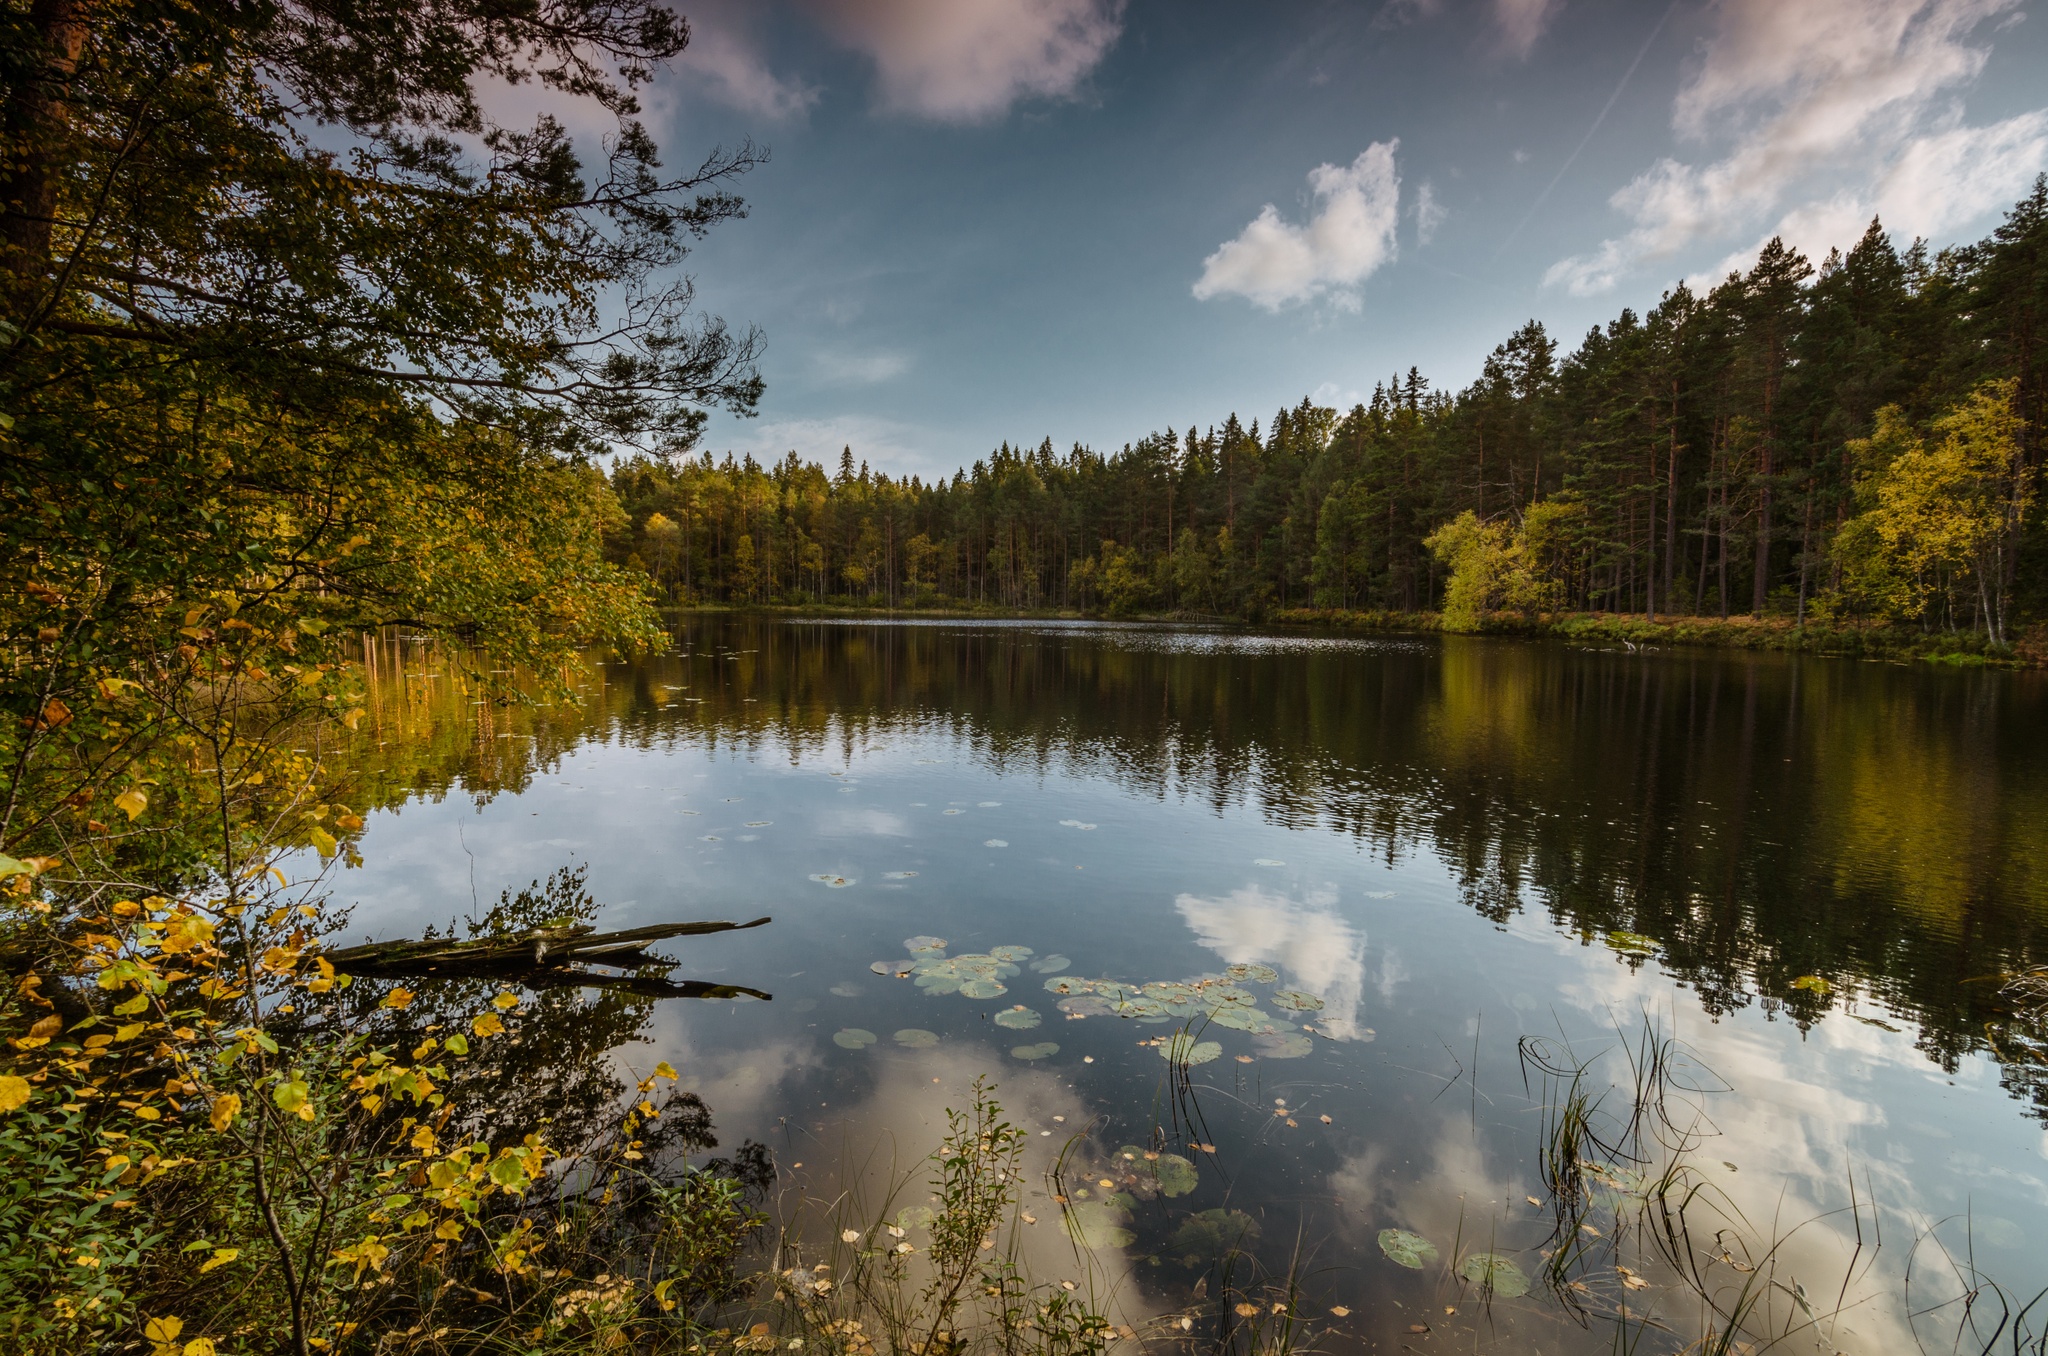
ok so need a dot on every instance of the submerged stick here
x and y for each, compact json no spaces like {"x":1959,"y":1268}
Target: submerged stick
{"x":548,"y":958}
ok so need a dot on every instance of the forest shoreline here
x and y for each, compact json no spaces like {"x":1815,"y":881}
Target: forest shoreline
{"x":1841,"y":640}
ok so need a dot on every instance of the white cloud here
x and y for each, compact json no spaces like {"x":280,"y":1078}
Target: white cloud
{"x":1274,"y":263}
{"x":1522,"y":22}
{"x":1429,"y":213}
{"x":1314,"y":944}
{"x":730,"y":71}
{"x":861,"y":368}
{"x":970,"y":60}
{"x":1821,"y":97}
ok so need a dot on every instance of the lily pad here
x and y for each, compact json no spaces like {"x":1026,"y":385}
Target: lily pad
{"x":938,"y":984}
{"x":917,"y":1038}
{"x":1207,"y":1235}
{"x":1410,"y":1250}
{"x":983,"y":988}
{"x":1284,"y":1045}
{"x":833,"y":882}
{"x":1496,"y":1273}
{"x":1018,"y":1019}
{"x":1050,"y":965}
{"x":1067,"y":984}
{"x":898,"y":875}
{"x":1238,"y":1019}
{"x":1185,"y":1049}
{"x":1012,"y":954}
{"x":925,"y":946}
{"x":1172,"y":1174}
{"x":1098,"y":1224}
{"x":995,"y":842}
{"x":1628,"y":944}
{"x":845,"y":990}
{"x":1042,"y":1050}
{"x":1296,"y":1001}
{"x":1085,"y":1005}
{"x":897,"y":968}
{"x":1141,"y":1007}
{"x":1257,"y":974}
{"x":1075,"y":824}
{"x":853,"y":1038}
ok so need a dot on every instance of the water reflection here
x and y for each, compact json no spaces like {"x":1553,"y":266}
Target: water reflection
{"x":1803,"y":866}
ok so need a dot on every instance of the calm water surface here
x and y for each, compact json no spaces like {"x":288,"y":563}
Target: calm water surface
{"x":1802,"y":870}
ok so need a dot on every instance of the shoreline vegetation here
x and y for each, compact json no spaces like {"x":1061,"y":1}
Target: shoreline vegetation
{"x":1876,"y":641}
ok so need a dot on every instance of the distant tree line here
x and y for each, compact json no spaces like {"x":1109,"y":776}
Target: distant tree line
{"x":1856,"y":440}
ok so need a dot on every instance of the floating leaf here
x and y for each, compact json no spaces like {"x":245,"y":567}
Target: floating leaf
{"x":853,"y":1038}
{"x":983,"y":988}
{"x":1813,"y":984}
{"x":835,"y":882}
{"x":917,"y":1038}
{"x":1067,"y":984}
{"x":845,"y":990}
{"x":1075,"y":824}
{"x":1018,"y":1019}
{"x":1496,"y":1273}
{"x":938,"y":984}
{"x":995,"y":842}
{"x":1284,"y":1045}
{"x":1185,"y":1049}
{"x":1238,"y":1019}
{"x":1630,"y":944}
{"x":1268,"y":861}
{"x":898,"y":968}
{"x":1207,"y":1235}
{"x":1177,"y":1176}
{"x":1043,"y":1050}
{"x":1085,"y":1005}
{"x":1011,"y":954}
{"x":1410,"y":1250}
{"x":898,"y":875}
{"x":1296,"y":1001}
{"x":1098,"y":1224}
{"x":1257,"y":974}
{"x":924,"y":946}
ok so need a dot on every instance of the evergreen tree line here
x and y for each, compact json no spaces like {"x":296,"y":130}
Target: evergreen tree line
{"x":1859,"y":439}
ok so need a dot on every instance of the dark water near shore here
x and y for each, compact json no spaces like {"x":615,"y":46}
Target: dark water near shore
{"x":1807,"y":871}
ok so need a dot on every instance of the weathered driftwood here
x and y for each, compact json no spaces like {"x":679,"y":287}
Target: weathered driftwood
{"x":544,"y":957}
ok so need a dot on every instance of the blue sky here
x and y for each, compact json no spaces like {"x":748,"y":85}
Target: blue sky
{"x":1086,"y":219}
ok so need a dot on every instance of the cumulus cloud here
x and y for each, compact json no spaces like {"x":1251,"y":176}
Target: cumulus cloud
{"x":1522,"y":22}
{"x":1429,"y":213}
{"x":1274,"y":263}
{"x":1831,"y":97}
{"x":971,"y":60}
{"x":728,"y":69}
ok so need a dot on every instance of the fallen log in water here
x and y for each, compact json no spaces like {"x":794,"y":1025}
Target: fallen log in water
{"x":544,"y":958}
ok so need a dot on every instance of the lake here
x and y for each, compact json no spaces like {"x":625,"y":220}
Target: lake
{"x":1378,"y":886}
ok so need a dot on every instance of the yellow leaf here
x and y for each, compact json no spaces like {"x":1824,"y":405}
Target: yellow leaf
{"x":506,"y":1001}
{"x":14,"y":1093}
{"x":199,"y":1346}
{"x":352,"y":717}
{"x":323,"y":841}
{"x":398,"y":998}
{"x":163,"y":1329}
{"x":487,"y":1024}
{"x":450,"y":1228}
{"x":221,"y":1257}
{"x":132,"y":803}
{"x":663,"y":1070}
{"x":226,"y":1107}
